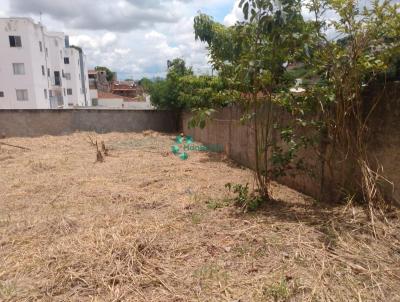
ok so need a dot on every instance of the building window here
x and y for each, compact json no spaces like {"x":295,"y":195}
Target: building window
{"x":19,"y":68}
{"x":48,"y":72}
{"x":66,"y":60}
{"x":69,"y":91}
{"x":61,"y":54}
{"x":68,"y":76}
{"x":40,"y":46}
{"x":65,"y":92}
{"x":57,"y":78}
{"x":22,"y":94}
{"x":1,"y":94}
{"x":50,"y":93}
{"x":43,"y":71}
{"x":45,"y":94}
{"x":15,"y":41}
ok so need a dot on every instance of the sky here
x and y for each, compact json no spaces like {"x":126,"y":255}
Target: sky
{"x":135,"y":38}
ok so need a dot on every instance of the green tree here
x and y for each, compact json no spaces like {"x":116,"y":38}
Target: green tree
{"x":165,"y":93}
{"x":146,"y":84}
{"x":177,"y":67}
{"x":250,"y":59}
{"x":346,"y":67}
{"x":201,"y":92}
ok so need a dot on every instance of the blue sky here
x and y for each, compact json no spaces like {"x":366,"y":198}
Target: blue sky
{"x":135,"y":38}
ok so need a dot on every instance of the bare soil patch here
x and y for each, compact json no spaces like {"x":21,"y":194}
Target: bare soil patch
{"x":147,"y":226}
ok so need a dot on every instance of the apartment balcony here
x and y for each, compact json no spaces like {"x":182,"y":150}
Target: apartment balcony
{"x":56,"y":102}
{"x":56,"y":79}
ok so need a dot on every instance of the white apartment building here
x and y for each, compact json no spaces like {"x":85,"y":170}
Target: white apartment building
{"x":39,"y":69}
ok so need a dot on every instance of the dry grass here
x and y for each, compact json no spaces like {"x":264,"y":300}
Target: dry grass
{"x":147,"y":226}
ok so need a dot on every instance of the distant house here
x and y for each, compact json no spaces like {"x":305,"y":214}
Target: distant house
{"x":125,"y":88}
{"x":117,"y":94}
{"x":98,"y":80}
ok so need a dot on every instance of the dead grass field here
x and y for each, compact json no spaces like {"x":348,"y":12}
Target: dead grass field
{"x":147,"y":226}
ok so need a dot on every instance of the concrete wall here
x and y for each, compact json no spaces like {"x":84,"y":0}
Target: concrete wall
{"x":110,"y":103}
{"x":28,"y":123}
{"x":326,"y":181}
{"x":119,"y":103}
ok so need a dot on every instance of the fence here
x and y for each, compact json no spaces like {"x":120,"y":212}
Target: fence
{"x":58,"y":122}
{"x":327,"y":181}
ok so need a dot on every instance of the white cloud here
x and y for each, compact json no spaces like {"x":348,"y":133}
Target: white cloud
{"x":235,"y":15}
{"x":133,"y":37}
{"x":122,"y":51}
{"x":154,"y":36}
{"x":144,"y":53}
{"x":108,"y":39}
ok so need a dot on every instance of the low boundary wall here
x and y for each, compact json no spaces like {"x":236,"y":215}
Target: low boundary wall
{"x":328,"y":181}
{"x":30,"y":123}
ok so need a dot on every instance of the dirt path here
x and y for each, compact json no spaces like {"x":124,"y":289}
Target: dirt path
{"x":147,"y":226}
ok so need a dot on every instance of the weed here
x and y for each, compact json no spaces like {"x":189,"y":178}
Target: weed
{"x":4,"y":222}
{"x":331,"y":237}
{"x":210,"y":273}
{"x":7,"y":290}
{"x":241,"y":251}
{"x":245,"y":200}
{"x":215,"y":204}
{"x":196,"y":218}
{"x":279,"y":291}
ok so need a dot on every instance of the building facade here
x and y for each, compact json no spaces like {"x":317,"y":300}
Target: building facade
{"x":39,"y":69}
{"x":125,"y":88}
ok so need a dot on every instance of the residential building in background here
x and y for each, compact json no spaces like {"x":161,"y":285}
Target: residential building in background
{"x":97,"y":83}
{"x":116,"y":94}
{"x":125,"y":88}
{"x":39,"y":69}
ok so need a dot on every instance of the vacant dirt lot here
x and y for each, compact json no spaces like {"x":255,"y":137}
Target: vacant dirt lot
{"x":147,"y":226}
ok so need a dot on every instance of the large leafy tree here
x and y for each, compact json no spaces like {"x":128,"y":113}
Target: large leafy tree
{"x":250,"y":58}
{"x":146,"y":84}
{"x":165,"y":92}
{"x":201,"y":92}
{"x":367,"y":45}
